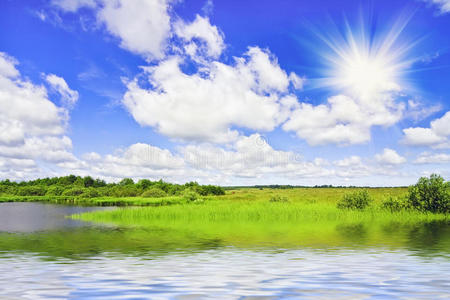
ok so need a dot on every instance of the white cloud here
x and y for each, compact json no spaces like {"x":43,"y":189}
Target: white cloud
{"x":201,"y":29}
{"x":432,"y":158}
{"x":342,"y":120}
{"x":137,"y":161}
{"x":252,"y":157}
{"x":74,"y":5}
{"x":204,"y":106}
{"x":68,"y":96}
{"x":24,"y":107}
{"x":436,"y":136}
{"x":444,"y":5}
{"x":31,"y":126}
{"x":417,"y":110}
{"x":390,"y":157}
{"x":249,"y":157}
{"x":353,"y":160}
{"x":142,"y":25}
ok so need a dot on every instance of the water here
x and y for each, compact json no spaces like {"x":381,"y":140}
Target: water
{"x":62,"y":259}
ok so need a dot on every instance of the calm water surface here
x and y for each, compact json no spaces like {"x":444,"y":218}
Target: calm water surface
{"x":45,"y":255}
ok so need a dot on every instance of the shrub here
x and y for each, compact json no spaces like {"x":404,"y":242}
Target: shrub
{"x":124,"y":191}
{"x":430,"y":194}
{"x":278,"y":198}
{"x":55,"y":190}
{"x":31,"y":191}
{"x":154,"y":193}
{"x":190,"y":195}
{"x":76,"y":191}
{"x":357,"y":200}
{"x":395,"y":203}
{"x":90,"y":193}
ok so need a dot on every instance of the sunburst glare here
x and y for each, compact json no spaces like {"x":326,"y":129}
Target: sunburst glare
{"x":364,"y":61}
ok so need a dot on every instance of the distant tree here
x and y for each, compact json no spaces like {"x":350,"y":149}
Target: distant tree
{"x":144,"y":184}
{"x":88,"y":181}
{"x":126,"y":181}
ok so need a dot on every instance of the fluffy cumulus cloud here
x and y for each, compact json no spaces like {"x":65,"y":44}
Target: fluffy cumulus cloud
{"x":248,"y":158}
{"x":432,"y":158}
{"x":138,"y":160}
{"x":342,"y":120}
{"x":436,"y":136}
{"x":204,"y":106}
{"x":141,"y":25}
{"x":390,"y":157}
{"x":212,"y":39}
{"x":252,"y":157}
{"x":31,"y":126}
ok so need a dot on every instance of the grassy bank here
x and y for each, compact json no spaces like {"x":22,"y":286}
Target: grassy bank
{"x":295,"y":195}
{"x":98,"y":201}
{"x":260,"y":223}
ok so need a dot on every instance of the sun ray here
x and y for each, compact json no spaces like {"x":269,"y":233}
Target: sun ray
{"x":365,"y":62}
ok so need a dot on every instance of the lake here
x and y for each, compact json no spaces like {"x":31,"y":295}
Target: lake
{"x":45,"y":255}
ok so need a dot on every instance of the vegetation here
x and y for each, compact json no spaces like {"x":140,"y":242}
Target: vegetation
{"x":87,"y":187}
{"x":430,"y":194}
{"x":356,"y":200}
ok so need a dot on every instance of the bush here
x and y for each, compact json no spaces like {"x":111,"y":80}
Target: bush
{"x":430,"y":194}
{"x":31,"y":191}
{"x":357,"y":200}
{"x":395,"y":203}
{"x":190,"y":195}
{"x":154,"y":193}
{"x":90,"y":193}
{"x":125,"y":191}
{"x":55,"y":190}
{"x":76,"y":191}
{"x":278,"y":198}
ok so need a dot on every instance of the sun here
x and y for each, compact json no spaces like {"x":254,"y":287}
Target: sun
{"x":363,"y":74}
{"x":365,"y":63}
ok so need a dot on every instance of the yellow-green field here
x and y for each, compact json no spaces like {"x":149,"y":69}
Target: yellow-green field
{"x":247,"y":217}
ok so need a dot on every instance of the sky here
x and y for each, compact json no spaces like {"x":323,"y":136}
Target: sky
{"x":226,"y":92}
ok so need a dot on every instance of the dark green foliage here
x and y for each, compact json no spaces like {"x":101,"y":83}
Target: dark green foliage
{"x":55,"y":190}
{"x":126,"y":181}
{"x":154,"y":193}
{"x":75,"y":191}
{"x":144,"y":184}
{"x":430,"y":194}
{"x":357,"y":200}
{"x":31,"y":191}
{"x":278,"y":198}
{"x":210,"y":190}
{"x":90,"y":193}
{"x":395,"y":203}
{"x":89,"y":187}
{"x":88,"y":181}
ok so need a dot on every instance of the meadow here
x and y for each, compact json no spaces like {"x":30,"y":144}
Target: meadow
{"x":309,"y":218}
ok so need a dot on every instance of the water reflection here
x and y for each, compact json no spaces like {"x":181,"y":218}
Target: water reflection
{"x":30,"y":217}
{"x":63,"y":259}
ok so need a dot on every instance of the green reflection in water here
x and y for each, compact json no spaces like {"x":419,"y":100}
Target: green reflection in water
{"x":424,"y":238}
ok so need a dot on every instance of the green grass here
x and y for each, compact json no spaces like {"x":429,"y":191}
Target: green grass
{"x":243,"y":218}
{"x":246,"y":218}
{"x":99,"y":201}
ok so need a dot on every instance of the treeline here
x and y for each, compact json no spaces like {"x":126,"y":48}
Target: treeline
{"x":285,"y":187}
{"x":89,"y":187}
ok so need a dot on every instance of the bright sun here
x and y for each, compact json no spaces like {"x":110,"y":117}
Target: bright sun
{"x":364,"y":75}
{"x":366,"y":64}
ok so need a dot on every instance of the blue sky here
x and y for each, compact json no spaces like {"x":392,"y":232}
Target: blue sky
{"x":226,"y":92}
